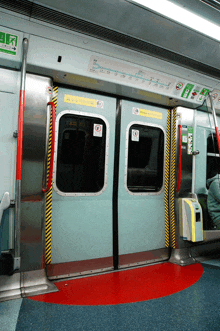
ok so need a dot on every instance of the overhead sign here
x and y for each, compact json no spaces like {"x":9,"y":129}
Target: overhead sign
{"x":148,"y":80}
{"x":8,"y":43}
{"x":126,"y":73}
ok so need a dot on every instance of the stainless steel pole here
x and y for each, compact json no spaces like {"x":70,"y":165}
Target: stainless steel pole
{"x":17,"y":258}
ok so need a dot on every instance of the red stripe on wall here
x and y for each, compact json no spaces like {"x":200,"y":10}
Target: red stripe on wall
{"x":20,"y":135}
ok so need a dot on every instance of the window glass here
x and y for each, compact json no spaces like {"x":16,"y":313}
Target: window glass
{"x":81,"y":154}
{"x":212,"y":146}
{"x":213,"y":161}
{"x":145,"y":159}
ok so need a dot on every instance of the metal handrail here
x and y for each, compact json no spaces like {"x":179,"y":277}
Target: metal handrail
{"x":45,"y":190}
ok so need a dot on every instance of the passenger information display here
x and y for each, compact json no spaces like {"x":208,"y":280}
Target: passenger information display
{"x":126,"y":73}
{"x":150,"y":80}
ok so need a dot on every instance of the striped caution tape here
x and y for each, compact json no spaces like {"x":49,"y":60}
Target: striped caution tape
{"x":172,"y":181}
{"x":48,"y":211}
{"x":167,"y":182}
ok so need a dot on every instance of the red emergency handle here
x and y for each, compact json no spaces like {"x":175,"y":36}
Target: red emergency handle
{"x":180,"y":159}
{"x":52,"y":147}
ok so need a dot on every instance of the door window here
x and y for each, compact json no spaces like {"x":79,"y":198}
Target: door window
{"x":81,"y":154}
{"x":145,"y":162}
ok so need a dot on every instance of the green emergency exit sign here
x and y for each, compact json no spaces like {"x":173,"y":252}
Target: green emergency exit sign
{"x":8,"y":43}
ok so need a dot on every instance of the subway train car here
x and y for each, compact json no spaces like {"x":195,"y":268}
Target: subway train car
{"x":109,"y":132}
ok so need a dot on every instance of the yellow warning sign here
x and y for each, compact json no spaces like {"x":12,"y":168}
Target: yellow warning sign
{"x":150,"y":113}
{"x":80,"y":100}
{"x":83,"y":101}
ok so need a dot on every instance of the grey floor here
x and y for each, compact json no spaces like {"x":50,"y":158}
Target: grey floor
{"x":195,"y":308}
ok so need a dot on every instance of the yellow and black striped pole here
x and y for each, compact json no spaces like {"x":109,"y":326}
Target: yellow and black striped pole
{"x":167,"y":181}
{"x":172,"y":180}
{"x":48,"y":210}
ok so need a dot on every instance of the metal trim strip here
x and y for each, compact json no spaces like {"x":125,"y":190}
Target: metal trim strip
{"x":19,"y":158}
{"x":116,"y":184}
{"x":80,"y":274}
{"x":142,"y":258}
{"x":75,"y":268}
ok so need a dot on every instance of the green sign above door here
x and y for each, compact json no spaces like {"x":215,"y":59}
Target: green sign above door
{"x":8,"y":43}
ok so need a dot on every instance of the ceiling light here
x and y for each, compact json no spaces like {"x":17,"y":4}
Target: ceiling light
{"x":212,"y":3}
{"x":181,"y":15}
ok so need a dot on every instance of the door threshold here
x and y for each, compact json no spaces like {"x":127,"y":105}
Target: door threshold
{"x":81,"y":274}
{"x":106,"y":270}
{"x":144,"y":263}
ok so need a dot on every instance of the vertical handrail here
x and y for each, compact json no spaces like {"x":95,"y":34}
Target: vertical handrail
{"x":180,"y":159}
{"x":52,"y":147}
{"x":215,"y":122}
{"x":194,"y":152}
{"x":19,"y":156}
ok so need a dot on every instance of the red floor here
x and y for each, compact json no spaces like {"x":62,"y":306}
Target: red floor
{"x":132,"y":285}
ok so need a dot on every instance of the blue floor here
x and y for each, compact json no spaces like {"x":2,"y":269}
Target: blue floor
{"x":195,"y":308}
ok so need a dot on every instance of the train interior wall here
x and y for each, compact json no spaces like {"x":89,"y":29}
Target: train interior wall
{"x":85,"y":67}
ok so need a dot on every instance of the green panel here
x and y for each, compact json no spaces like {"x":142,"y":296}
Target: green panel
{"x":10,"y":47}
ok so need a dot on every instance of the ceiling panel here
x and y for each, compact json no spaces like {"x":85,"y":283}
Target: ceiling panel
{"x":144,"y":26}
{"x":132,"y":20}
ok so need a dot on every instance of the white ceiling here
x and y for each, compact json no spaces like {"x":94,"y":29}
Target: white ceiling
{"x":146,"y":25}
{"x":155,"y":31}
{"x":117,"y":13}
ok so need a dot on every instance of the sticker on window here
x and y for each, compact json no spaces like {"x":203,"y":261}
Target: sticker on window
{"x":135,"y":135}
{"x":97,"y":130}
